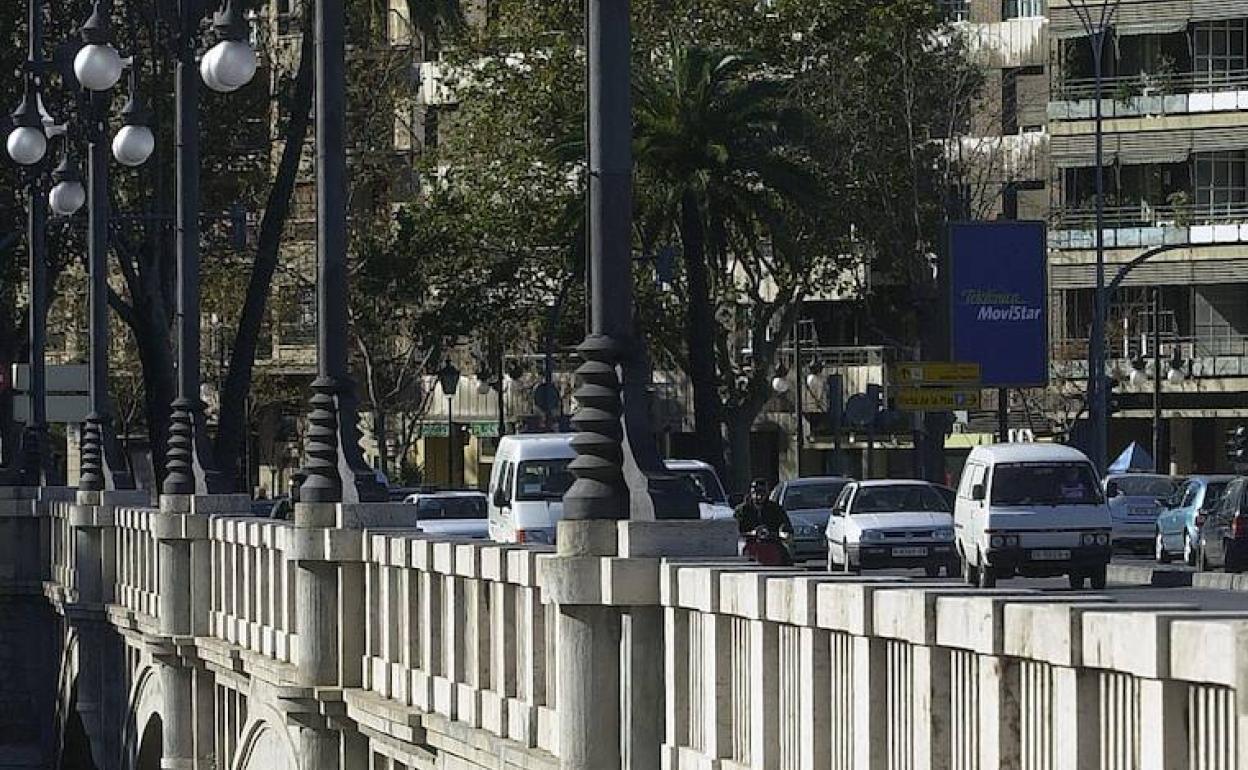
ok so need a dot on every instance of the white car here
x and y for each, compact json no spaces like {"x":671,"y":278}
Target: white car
{"x":1135,"y":503}
{"x":1034,"y":510}
{"x":714,"y":503}
{"x":888,"y":524}
{"x":454,"y":514}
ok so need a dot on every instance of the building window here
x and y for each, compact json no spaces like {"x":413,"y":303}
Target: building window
{"x":956,"y":10}
{"x":1220,"y":46}
{"x":1221,"y":319}
{"x":1221,"y":182}
{"x":1021,"y":9}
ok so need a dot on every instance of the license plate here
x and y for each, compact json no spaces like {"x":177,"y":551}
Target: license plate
{"x":1054,"y":555}
{"x":1145,"y":511}
{"x":909,"y":552}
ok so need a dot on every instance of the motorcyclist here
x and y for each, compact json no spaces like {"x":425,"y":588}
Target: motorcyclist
{"x":758,"y":511}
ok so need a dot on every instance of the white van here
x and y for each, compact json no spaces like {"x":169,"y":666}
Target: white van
{"x":1034,"y":510}
{"x":526,"y":487}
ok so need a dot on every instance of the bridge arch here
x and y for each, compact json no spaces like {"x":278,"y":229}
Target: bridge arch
{"x":265,"y":744}
{"x":143,"y":729}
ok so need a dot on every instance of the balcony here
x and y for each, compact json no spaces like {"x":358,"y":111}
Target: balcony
{"x":1142,"y":94}
{"x":1143,"y":225}
{"x":1207,"y":358}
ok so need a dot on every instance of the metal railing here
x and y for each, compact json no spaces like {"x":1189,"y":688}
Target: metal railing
{"x":1148,"y":84}
{"x":1145,"y":214}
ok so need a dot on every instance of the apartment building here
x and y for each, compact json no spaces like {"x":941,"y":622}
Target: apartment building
{"x":1175,"y":102}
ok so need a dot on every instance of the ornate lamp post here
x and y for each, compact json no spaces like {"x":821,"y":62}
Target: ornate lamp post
{"x":448,"y":378}
{"x":335,"y":469}
{"x":227,"y":66}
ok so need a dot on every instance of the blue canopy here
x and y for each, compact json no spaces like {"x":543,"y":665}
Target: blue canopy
{"x":1134,"y":459}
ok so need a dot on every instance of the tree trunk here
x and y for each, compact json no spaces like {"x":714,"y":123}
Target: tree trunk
{"x":232,"y":430}
{"x":699,"y":337}
{"x":740,"y":462}
{"x":381,"y":434}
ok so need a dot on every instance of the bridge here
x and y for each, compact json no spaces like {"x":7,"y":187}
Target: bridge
{"x":191,"y":636}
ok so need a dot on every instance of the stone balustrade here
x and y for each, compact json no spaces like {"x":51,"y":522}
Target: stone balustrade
{"x":459,"y":629}
{"x":439,"y":652}
{"x":137,"y":572}
{"x":253,"y":586}
{"x":821,"y":673}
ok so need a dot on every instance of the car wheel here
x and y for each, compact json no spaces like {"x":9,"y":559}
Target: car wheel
{"x":1076,"y":580}
{"x":987,"y":574}
{"x":831,"y":561}
{"x":1229,"y":564}
{"x":953,"y":569}
{"x":1189,"y":550}
{"x":848,"y":566}
{"x":1159,"y":549}
{"x":1099,"y":577}
{"x":969,"y":573}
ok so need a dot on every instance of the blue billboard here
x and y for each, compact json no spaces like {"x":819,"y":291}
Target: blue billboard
{"x":998,"y":301}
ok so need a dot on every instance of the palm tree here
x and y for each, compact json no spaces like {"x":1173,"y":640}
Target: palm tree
{"x":719,"y":139}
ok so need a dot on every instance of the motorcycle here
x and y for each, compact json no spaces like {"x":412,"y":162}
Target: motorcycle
{"x":767,"y":548}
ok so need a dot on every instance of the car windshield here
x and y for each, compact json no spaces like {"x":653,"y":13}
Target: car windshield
{"x":902,"y":498}
{"x":1044,"y":484}
{"x":1145,"y":486}
{"x":705,"y":484}
{"x":543,"y":479}
{"x":805,"y":497}
{"x":1214,"y":492}
{"x":458,"y":507}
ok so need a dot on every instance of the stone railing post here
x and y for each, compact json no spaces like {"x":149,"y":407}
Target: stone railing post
{"x":609,"y":696}
{"x":181,"y":532}
{"x":327,"y":546}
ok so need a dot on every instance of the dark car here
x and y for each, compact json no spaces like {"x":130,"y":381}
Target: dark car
{"x":1224,"y":533}
{"x":808,"y":502}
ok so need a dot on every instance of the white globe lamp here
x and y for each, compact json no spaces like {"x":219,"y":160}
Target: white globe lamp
{"x":27,"y":145}
{"x":97,"y":66}
{"x":67,"y":197}
{"x":230,"y":65}
{"x":133,"y":145}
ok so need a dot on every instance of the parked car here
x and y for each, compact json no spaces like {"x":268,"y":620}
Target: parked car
{"x":1034,"y":510}
{"x":888,"y":524}
{"x":808,"y":502}
{"x":527,"y":485}
{"x":452,"y":513}
{"x":1135,"y":502}
{"x":1224,"y":532}
{"x":1178,"y":526}
{"x":714,"y":503}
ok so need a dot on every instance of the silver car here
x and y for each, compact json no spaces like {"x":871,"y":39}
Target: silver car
{"x":1135,"y":502}
{"x":454,"y":514}
{"x":808,"y":503}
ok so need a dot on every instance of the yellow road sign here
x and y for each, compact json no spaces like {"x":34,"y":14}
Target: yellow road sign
{"x":936,"y":399}
{"x":936,"y":373}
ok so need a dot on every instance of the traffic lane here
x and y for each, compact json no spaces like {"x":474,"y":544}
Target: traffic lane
{"x":1201,"y":598}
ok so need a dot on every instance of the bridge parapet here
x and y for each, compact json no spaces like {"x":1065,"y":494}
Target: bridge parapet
{"x":253,"y":586}
{"x":781,"y":671}
{"x":459,"y":629}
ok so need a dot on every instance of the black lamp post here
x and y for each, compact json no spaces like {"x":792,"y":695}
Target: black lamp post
{"x":335,"y":469}
{"x":600,"y":491}
{"x":226,"y":67}
{"x":448,"y":378}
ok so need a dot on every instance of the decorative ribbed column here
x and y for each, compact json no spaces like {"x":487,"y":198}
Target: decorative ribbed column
{"x":179,"y":457}
{"x":324,"y":482}
{"x":599,"y":491}
{"x":91,"y":475}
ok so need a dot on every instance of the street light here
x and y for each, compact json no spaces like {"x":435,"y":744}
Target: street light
{"x":448,"y":378}
{"x":780,"y":383}
{"x":232,"y":62}
{"x":97,"y":65}
{"x":28,"y":143}
{"x":134,"y":143}
{"x":67,"y":195}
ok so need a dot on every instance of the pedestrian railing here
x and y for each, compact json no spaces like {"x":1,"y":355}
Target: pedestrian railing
{"x":253,"y":586}
{"x":137,"y":583}
{"x":459,"y":629}
{"x":788,"y":672}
